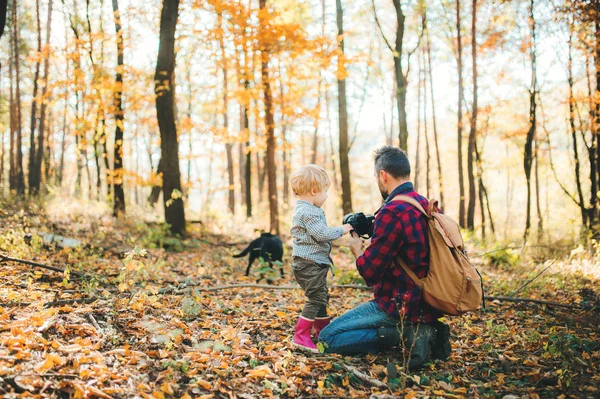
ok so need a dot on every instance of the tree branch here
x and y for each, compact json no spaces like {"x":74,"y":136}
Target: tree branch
{"x":380,"y":28}
{"x":541,"y":302}
{"x":185,"y":288}
{"x":527,"y":283}
{"x":365,"y":378}
{"x":35,"y":264}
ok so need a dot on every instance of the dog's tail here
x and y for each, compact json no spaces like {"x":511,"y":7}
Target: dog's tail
{"x":244,"y":252}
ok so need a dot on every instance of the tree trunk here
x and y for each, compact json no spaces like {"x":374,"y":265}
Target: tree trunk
{"x":13,"y":121}
{"x":63,"y":143}
{"x":435,"y":131}
{"x":286,"y":148}
{"x":400,"y":78}
{"x":118,"y":172}
{"x":417,"y":165}
{"x":592,"y":210}
{"x":248,"y":162}
{"x":425,"y":128}
{"x":19,"y":175}
{"x":343,"y":114}
{"x":270,"y":126}
{"x":573,"y":130}
{"x":461,"y":186}
{"x":540,"y":226}
{"x":39,"y":156}
{"x":595,"y":212}
{"x":34,"y":177}
{"x":165,"y":68}
{"x":334,"y":171}
{"x":315,"y":141}
{"x":47,"y":160}
{"x":155,"y":193}
{"x":473,"y":132}
{"x":228,"y":144}
{"x":528,"y":157}
{"x":3,"y":12}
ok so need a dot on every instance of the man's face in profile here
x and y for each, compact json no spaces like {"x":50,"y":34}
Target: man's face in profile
{"x":382,"y":189}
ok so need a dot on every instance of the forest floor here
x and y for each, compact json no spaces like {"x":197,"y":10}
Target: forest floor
{"x":140,"y":325}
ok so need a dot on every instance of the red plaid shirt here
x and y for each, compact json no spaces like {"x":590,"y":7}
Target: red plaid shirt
{"x":400,"y":229}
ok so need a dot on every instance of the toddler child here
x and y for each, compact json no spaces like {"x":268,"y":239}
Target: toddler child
{"x":311,"y":249}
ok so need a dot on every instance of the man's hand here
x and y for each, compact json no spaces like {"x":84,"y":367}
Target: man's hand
{"x":356,"y":245}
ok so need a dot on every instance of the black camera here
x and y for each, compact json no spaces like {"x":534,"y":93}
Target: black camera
{"x":362,"y":224}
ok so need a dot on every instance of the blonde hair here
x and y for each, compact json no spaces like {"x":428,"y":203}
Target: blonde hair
{"x":309,"y":177}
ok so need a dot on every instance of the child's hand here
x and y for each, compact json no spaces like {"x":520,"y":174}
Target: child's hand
{"x":347,"y":228}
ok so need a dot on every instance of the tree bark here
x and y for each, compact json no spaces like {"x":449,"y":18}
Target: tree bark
{"x":315,"y":142}
{"x":19,"y":175}
{"x":591,"y":149}
{"x":13,"y":121}
{"x":417,"y":165}
{"x":156,"y":189}
{"x":3,"y":12}
{"x":248,"y":162}
{"x":473,"y":132}
{"x":528,"y":157}
{"x":400,"y":78}
{"x":573,"y":130}
{"x":39,"y":156}
{"x":425,"y":127}
{"x":343,"y":114}
{"x":118,"y":175}
{"x":286,"y":148}
{"x":164,"y":81}
{"x":63,"y":143}
{"x":435,"y":131}
{"x":228,"y":143}
{"x":595,"y":212}
{"x":461,"y":185}
{"x":270,"y":126}
{"x":34,"y":177}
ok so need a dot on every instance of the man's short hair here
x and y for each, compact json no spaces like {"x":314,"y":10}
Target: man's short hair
{"x":393,"y":160}
{"x":309,"y":177}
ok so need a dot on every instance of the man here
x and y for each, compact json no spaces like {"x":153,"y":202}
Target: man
{"x":397,"y":315}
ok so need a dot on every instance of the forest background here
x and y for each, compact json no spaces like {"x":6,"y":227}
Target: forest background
{"x":517,"y":146}
{"x":128,"y":127}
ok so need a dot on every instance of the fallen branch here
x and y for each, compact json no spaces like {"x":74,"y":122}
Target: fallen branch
{"x":527,"y":283}
{"x":183,"y":289}
{"x":36,"y":264}
{"x":186,"y":288}
{"x":70,"y":301}
{"x":541,"y":302}
{"x":365,"y":378}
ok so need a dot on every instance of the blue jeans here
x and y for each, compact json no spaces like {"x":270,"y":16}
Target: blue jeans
{"x":356,"y":330}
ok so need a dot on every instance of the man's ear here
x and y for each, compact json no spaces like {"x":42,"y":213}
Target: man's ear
{"x":384,"y":175}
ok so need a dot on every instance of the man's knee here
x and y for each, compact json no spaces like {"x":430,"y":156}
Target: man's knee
{"x":326,"y":335}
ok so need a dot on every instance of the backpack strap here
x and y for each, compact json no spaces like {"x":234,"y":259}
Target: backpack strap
{"x":413,"y":202}
{"x":416,"y":204}
{"x":410,"y":273}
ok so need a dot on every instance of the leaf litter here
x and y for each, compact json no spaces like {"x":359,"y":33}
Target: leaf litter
{"x":112,"y":333}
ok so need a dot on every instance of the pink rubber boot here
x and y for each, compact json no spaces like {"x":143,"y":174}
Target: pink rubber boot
{"x":302,"y":335}
{"x":321,"y":323}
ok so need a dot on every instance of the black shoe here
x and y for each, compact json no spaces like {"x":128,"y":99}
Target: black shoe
{"x":441,"y":349}
{"x":388,"y":337}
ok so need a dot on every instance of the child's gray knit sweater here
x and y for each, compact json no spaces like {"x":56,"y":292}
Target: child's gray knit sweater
{"x":312,"y":236}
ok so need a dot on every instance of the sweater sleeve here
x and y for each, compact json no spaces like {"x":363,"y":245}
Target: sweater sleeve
{"x":316,"y":226}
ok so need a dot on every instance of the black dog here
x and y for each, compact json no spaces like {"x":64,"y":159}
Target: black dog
{"x":268,"y":247}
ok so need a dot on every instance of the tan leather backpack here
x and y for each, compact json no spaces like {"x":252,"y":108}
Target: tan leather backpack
{"x":453,"y":285}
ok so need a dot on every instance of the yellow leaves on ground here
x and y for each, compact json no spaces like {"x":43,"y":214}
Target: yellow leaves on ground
{"x":259,"y":372}
{"x":51,"y":360}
